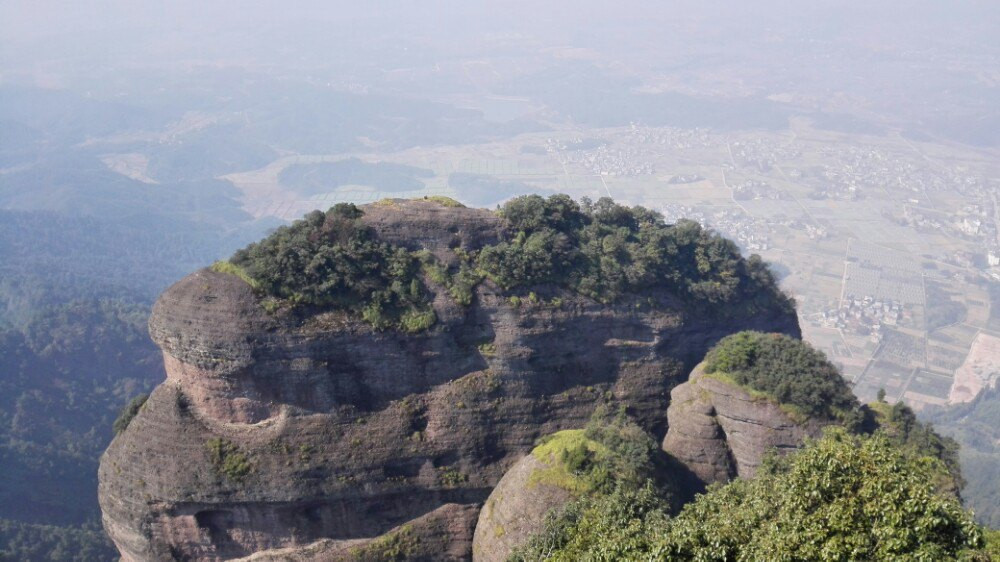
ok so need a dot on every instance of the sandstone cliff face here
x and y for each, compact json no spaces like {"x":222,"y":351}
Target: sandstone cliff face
{"x":315,"y":437}
{"x":720,"y":431}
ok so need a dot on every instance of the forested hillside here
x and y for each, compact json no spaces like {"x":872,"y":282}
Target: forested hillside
{"x":76,"y":286}
{"x":976,"y":426}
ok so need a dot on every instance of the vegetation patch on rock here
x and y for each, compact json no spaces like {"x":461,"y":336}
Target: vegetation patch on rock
{"x":442,"y":200}
{"x":605,"y":250}
{"x":129,"y":412}
{"x":611,"y":452}
{"x":227,"y":459}
{"x":332,"y":260}
{"x":788,"y":371}
{"x":398,"y":544}
{"x":233,"y":269}
{"x":570,"y":458}
{"x":600,"y":250}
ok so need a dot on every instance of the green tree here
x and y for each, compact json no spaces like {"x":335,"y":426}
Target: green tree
{"x":844,"y":497}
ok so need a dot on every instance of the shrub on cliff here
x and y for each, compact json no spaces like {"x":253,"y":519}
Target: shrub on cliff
{"x":227,"y":459}
{"x":332,"y":259}
{"x":128,"y":412}
{"x":787,"y":370}
{"x":604,"y":250}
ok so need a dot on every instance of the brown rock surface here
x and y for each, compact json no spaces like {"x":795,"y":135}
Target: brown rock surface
{"x":335,"y":434}
{"x":515,"y":510}
{"x":429,"y":537}
{"x":720,"y":431}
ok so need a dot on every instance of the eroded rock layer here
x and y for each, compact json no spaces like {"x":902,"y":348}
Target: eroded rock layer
{"x":721,"y":431}
{"x":296,"y":433}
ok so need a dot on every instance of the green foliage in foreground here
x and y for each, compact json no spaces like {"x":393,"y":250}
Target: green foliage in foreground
{"x":789,"y":371}
{"x":992,"y":549}
{"x":129,"y":412}
{"x":899,"y":423}
{"x":616,"y":526}
{"x":843,"y":497}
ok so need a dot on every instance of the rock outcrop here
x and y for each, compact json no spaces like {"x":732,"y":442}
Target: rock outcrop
{"x":536,"y":485}
{"x":314,"y":436}
{"x":721,"y":431}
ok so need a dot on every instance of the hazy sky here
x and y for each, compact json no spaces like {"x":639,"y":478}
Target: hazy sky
{"x":126,"y":22}
{"x":888,"y":53}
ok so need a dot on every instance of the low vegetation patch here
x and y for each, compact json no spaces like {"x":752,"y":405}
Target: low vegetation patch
{"x":444,"y":201}
{"x":570,"y":458}
{"x":399,"y":544}
{"x":233,"y":269}
{"x":227,"y":459}
{"x":128,"y":412}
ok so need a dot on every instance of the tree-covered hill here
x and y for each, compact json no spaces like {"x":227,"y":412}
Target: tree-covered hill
{"x":601,"y":250}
